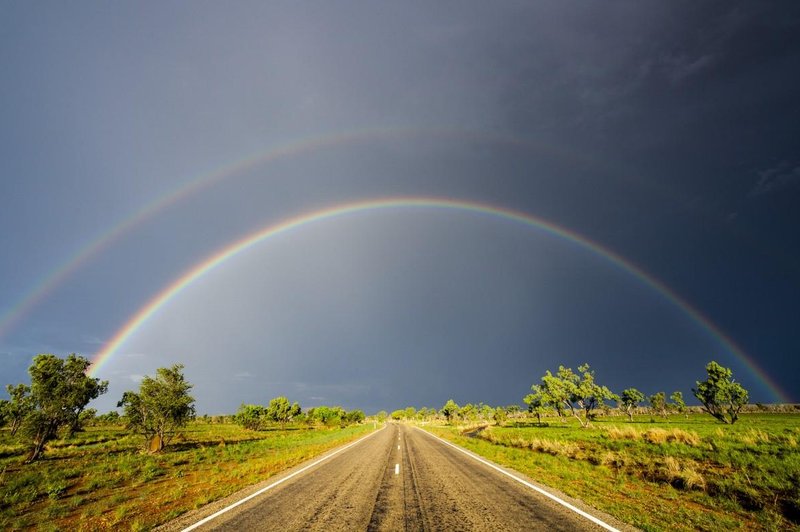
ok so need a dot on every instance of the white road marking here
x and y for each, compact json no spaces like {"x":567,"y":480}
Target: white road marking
{"x":564,"y":503}
{"x":398,"y":447}
{"x":397,"y":469}
{"x":284,"y":479}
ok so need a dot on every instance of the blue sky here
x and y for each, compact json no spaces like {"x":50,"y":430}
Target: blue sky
{"x":666,"y":133}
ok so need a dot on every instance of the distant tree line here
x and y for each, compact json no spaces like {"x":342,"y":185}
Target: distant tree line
{"x":280,"y":411}
{"x":567,"y":393}
{"x":54,"y":405}
{"x":578,"y":393}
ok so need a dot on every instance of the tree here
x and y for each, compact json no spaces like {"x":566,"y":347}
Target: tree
{"x":59,"y":391}
{"x":20,"y":404}
{"x":450,"y":410}
{"x":575,"y":392}
{"x":281,"y":411}
{"x":109,"y":418}
{"x":87,"y":417}
{"x":720,"y":395}
{"x":629,"y":400}
{"x":500,"y":415}
{"x":251,"y":417}
{"x":536,"y":401}
{"x":678,"y":404}
{"x":162,"y":405}
{"x":327,"y":415}
{"x":354,"y":416}
{"x":468,"y":412}
{"x":658,"y":404}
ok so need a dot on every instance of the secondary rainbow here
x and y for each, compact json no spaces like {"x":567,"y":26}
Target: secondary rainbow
{"x":203,"y":181}
{"x":338,"y":211}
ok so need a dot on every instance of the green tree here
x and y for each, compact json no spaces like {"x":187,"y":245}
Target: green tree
{"x":59,"y":391}
{"x":575,"y":392}
{"x":109,"y":418}
{"x":162,"y":405}
{"x":251,"y":417}
{"x":381,"y":416}
{"x":678,"y":404}
{"x":282,"y":411}
{"x":87,"y":417}
{"x":16,"y":408}
{"x":720,"y":395}
{"x":329,"y":416}
{"x":354,"y":416}
{"x":450,"y":410}
{"x":500,"y":415}
{"x":658,"y":404}
{"x":468,"y":412}
{"x":556,"y":392}
{"x":629,"y":400}
{"x":537,"y":402}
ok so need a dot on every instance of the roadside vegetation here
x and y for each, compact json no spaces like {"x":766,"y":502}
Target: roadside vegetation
{"x":651,"y":461}
{"x":657,"y":464}
{"x":64,"y":467}
{"x":101,"y":479}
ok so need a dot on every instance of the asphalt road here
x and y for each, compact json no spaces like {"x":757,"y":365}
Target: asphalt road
{"x":399,"y":478}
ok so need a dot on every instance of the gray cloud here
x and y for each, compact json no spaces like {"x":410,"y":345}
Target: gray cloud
{"x":781,"y":176}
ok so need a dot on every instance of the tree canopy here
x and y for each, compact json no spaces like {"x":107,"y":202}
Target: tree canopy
{"x":162,"y":405}
{"x":720,"y":395}
{"x":59,"y":391}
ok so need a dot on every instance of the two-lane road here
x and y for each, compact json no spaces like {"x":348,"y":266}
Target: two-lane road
{"x":400,"y":478}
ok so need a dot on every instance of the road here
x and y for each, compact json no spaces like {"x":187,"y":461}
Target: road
{"x":399,"y":478}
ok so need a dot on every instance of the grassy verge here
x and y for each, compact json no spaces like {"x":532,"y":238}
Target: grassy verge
{"x":99,"y":479}
{"x":688,"y":474}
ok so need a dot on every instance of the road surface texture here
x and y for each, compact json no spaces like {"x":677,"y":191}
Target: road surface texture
{"x":398,"y":478}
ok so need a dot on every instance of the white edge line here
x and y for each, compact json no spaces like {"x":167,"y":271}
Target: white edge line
{"x":284,"y":479}
{"x":564,"y":503}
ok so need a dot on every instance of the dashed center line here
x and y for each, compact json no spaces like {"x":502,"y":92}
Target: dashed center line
{"x":397,"y":469}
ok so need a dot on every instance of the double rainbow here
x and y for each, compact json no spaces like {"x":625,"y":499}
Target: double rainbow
{"x":338,"y":211}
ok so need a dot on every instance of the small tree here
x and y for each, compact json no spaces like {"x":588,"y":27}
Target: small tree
{"x":450,"y":410}
{"x":678,"y":404}
{"x":251,"y":417}
{"x":162,"y":405}
{"x":354,"y":417}
{"x":720,"y":395}
{"x":536,"y":402}
{"x":575,"y":392}
{"x":59,"y":391}
{"x":500,"y":415}
{"x":19,"y":406}
{"x":281,"y":411}
{"x":658,"y":404}
{"x":629,"y":400}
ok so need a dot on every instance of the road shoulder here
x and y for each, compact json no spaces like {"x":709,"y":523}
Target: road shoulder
{"x":195,"y":516}
{"x":555,"y":493}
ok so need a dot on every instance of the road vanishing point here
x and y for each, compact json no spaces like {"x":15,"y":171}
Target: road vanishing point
{"x":396,"y":478}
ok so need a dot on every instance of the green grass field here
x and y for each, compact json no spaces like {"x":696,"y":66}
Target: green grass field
{"x":685,"y":474}
{"x":99,"y":479}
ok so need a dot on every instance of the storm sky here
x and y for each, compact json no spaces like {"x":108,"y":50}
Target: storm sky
{"x":664,"y":132}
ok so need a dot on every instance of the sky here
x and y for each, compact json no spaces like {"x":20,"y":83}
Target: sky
{"x":137,"y":141}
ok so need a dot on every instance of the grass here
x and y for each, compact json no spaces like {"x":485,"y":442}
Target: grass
{"x":100,"y":479}
{"x":686,"y":474}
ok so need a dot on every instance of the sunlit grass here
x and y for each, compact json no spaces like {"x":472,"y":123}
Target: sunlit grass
{"x":683,"y":474}
{"x":100,"y":479}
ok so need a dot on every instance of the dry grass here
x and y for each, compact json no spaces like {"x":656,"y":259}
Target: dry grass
{"x":655,"y":436}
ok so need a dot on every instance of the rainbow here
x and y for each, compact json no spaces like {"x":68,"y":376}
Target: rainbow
{"x":338,"y":211}
{"x":58,"y":275}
